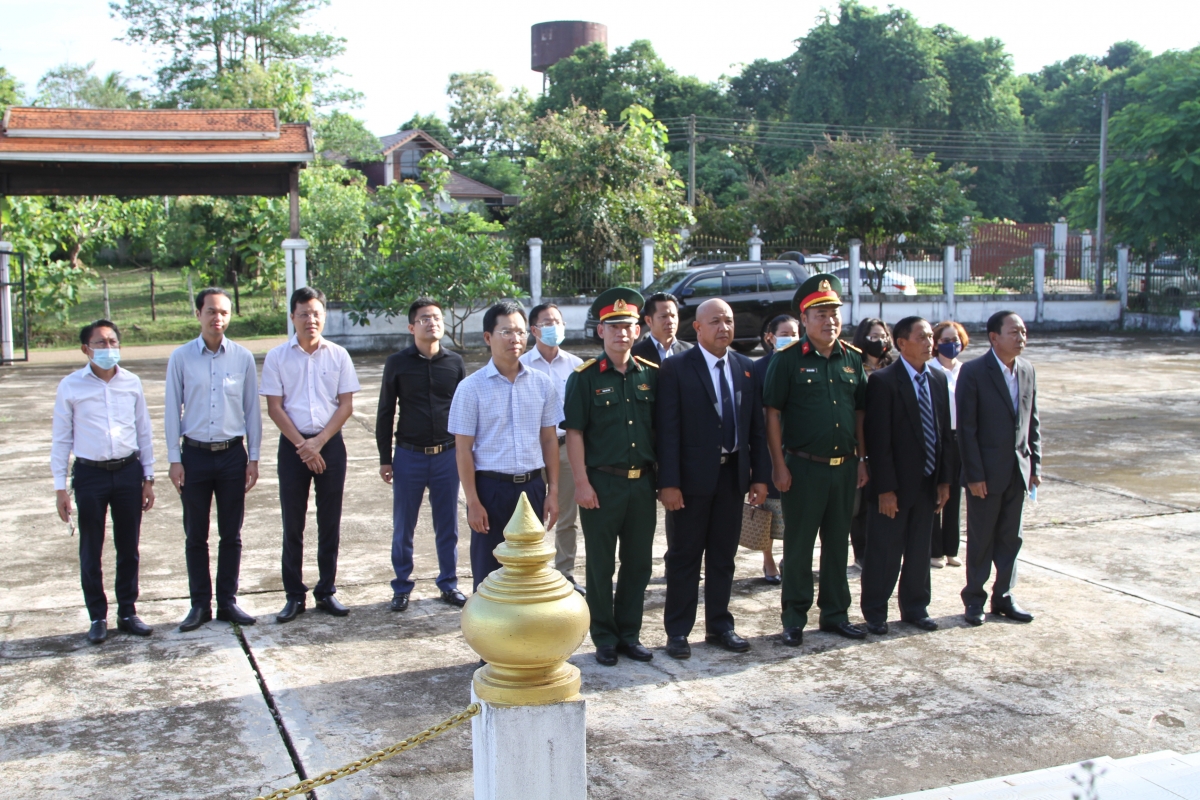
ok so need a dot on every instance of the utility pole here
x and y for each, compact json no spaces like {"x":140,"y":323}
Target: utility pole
{"x":1100,"y":205}
{"x":691,"y":192}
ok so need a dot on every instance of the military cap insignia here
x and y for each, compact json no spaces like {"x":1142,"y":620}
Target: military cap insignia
{"x":824,"y":287}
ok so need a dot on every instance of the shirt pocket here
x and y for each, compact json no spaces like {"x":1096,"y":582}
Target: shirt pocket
{"x":607,"y":407}
{"x":233,"y":384}
{"x":125,"y":411}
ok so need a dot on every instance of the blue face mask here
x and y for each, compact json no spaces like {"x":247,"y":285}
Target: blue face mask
{"x":106,"y":358}
{"x":783,"y":341}
{"x":949,"y":349}
{"x":554,"y":335}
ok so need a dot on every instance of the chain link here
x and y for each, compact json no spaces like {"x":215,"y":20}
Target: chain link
{"x":379,"y":756}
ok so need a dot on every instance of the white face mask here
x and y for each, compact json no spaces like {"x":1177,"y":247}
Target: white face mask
{"x":554,"y":335}
{"x":783,"y":341}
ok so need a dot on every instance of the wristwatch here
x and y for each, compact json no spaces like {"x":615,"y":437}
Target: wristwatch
{"x":148,"y":480}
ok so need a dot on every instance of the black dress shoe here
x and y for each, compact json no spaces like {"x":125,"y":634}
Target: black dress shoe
{"x":974,"y":615}
{"x":637,"y":651}
{"x":133,"y":625}
{"x":1013,"y":612}
{"x":231,"y":613}
{"x":195,"y":618}
{"x":845,"y":629}
{"x":793,"y":637}
{"x":454,"y":597}
{"x":98,"y":632}
{"x":331,"y":605}
{"x":924,"y":623}
{"x":729,"y":640}
{"x":581,"y":589}
{"x":606,"y":655}
{"x":773,"y":580}
{"x":399,"y":602}
{"x":877,"y":628}
{"x":678,"y":647}
{"x":290,"y":610}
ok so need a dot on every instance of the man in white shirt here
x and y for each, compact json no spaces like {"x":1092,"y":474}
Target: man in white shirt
{"x":100,"y":415}
{"x":309,"y":383}
{"x":661,"y":316}
{"x":212,"y":407}
{"x":547,"y":356}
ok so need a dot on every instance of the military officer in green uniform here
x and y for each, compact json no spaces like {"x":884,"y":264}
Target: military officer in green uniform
{"x":815,"y":394}
{"x":609,"y":408}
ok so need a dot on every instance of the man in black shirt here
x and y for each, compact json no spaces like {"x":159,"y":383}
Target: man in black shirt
{"x":422,"y":378}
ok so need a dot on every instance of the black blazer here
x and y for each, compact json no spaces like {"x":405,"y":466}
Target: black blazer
{"x":895,"y":439}
{"x":645,"y":348}
{"x":688,"y":432}
{"x":991,"y":437}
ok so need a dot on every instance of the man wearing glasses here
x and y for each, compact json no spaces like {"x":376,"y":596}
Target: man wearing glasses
{"x":100,"y":415}
{"x":504,"y":420}
{"x":421,"y":379}
{"x":547,"y":356}
{"x":309,"y":383}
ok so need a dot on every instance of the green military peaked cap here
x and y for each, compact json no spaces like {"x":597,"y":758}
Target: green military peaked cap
{"x":822,"y":289}
{"x":618,"y":305}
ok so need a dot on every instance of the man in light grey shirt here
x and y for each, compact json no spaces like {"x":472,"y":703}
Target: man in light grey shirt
{"x":212,"y":406}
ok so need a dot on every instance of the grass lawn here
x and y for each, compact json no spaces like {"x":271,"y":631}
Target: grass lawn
{"x":961,"y":288}
{"x":129,"y":302}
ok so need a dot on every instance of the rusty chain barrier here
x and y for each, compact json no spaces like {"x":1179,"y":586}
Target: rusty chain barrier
{"x":378,"y":757}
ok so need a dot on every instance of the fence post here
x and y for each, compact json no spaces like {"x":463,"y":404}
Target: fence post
{"x":191,"y":293}
{"x":855,"y":279}
{"x":1060,"y":249}
{"x":6,"y":330}
{"x":535,"y":270}
{"x":647,"y":262}
{"x":295,"y":263}
{"x":1085,"y":256}
{"x":153,"y":305}
{"x":948,"y":280}
{"x":964,"y":266}
{"x":1123,"y":275}
{"x":107,"y":310}
{"x":755,"y":246}
{"x":1039,"y":279}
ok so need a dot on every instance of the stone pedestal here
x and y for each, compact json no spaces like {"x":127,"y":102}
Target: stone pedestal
{"x":530,"y":752}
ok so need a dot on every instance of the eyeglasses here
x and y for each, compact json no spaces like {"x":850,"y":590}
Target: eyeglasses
{"x":547,"y":324}
{"x":429,"y":320}
{"x":306,"y":315}
{"x":106,"y":343}
{"x":876,"y":338}
{"x":513,"y":333}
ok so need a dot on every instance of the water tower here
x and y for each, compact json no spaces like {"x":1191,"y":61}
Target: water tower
{"x":554,"y":41}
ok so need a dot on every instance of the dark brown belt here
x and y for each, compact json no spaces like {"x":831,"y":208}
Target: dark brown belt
{"x":213,"y":446}
{"x":631,"y":474}
{"x":112,"y":465}
{"x":504,"y":476}
{"x":429,"y":451}
{"x":833,"y":462}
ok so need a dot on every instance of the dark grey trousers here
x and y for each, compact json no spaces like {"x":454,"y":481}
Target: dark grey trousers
{"x":899,"y":548}
{"x":993,"y":537}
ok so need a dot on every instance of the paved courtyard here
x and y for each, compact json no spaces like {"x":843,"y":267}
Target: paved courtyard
{"x":1109,"y":667}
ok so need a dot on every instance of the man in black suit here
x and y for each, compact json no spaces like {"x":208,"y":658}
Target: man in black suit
{"x":661,"y":315}
{"x":709,"y":455}
{"x":1001,"y":450}
{"x":907,"y":430}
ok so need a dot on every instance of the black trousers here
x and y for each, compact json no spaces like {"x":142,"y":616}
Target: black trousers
{"x":994,"y":537}
{"x":706,"y":529}
{"x":208,"y":475}
{"x":99,"y":493}
{"x":499,"y":499}
{"x":899,"y":548}
{"x":295,"y":478}
{"x":947,"y":529}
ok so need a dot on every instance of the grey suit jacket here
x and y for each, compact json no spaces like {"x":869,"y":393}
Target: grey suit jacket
{"x":992,"y":437}
{"x":646,"y":349}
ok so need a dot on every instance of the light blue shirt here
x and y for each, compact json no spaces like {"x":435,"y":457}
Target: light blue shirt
{"x":559,"y":369}
{"x":217,"y":394}
{"x":506,"y":418}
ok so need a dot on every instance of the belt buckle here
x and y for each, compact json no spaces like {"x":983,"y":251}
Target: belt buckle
{"x":634,"y":474}
{"x":219,"y":446}
{"x":433,"y":451}
{"x":521,"y":478}
{"x":836,"y":462}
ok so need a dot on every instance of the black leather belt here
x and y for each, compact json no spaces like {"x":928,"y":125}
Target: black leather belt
{"x":631,"y":474}
{"x":833,"y":462}
{"x":503,"y":476}
{"x":112,"y":465}
{"x":429,"y":451}
{"x":213,"y":446}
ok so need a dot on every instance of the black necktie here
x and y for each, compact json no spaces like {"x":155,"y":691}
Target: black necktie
{"x":728,"y":418}
{"x":928,"y":428}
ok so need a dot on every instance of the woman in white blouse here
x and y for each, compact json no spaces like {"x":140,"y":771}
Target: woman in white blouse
{"x":950,"y":339}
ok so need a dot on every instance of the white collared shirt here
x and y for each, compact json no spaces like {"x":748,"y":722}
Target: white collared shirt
{"x":1010,"y":378}
{"x":559,"y":369}
{"x":951,"y":374}
{"x":212,"y":397}
{"x":506,"y":418}
{"x":100,"y":421}
{"x":663,"y":352}
{"x":308,"y":383}
{"x":715,"y":376}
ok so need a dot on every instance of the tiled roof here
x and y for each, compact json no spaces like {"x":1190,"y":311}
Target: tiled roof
{"x":460,"y":185}
{"x":152,"y":124}
{"x":394,"y":140}
{"x":293,"y":144}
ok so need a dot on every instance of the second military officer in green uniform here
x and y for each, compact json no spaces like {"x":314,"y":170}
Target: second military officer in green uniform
{"x":815,"y":393}
{"x":609,"y":408}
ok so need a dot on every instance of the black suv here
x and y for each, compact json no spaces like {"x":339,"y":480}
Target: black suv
{"x":757,"y":291}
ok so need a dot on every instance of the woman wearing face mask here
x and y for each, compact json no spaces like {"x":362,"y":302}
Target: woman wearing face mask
{"x":874,"y":338}
{"x":949,"y":339}
{"x":780,"y":332}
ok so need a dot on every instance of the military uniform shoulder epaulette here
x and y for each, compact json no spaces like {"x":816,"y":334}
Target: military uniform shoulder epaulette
{"x":786,"y":346}
{"x":852,"y":347}
{"x":585,"y":365}
{"x":641,"y":360}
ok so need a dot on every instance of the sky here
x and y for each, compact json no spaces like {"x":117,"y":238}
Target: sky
{"x":399,"y":55}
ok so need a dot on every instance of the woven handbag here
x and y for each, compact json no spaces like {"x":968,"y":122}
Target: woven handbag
{"x":756,"y":527}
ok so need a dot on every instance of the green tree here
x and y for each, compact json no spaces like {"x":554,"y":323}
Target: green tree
{"x":435,"y":126}
{"x":288,"y":88}
{"x":601,"y":187}
{"x":74,"y":86}
{"x":10,"y":90}
{"x":342,"y":137}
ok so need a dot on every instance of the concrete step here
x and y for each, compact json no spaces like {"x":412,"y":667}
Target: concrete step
{"x":1153,"y":776}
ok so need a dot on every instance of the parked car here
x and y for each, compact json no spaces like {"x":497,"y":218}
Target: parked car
{"x":757,"y":291}
{"x":893,"y":282}
{"x":1170,"y":275}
